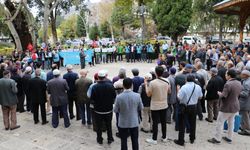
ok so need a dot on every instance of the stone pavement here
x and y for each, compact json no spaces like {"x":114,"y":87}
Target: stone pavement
{"x":78,"y":137}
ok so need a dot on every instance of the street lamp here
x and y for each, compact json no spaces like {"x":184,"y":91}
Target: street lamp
{"x":142,"y":11}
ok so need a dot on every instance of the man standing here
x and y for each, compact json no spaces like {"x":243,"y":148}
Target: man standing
{"x":128,"y":104}
{"x":8,"y":100}
{"x":82,"y":58}
{"x":137,"y":80}
{"x":83,"y":102}
{"x":229,"y":106}
{"x":188,"y":96}
{"x":214,"y":85}
{"x":20,"y":94}
{"x":172,"y":98}
{"x":158,"y":89}
{"x":245,"y":103}
{"x":37,"y":92}
{"x":103,"y":96}
{"x":71,"y":78}
{"x":57,"y":88}
{"x":26,"y":78}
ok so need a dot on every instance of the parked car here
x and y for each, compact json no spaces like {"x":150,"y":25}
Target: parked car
{"x":246,"y":40}
{"x":189,"y":39}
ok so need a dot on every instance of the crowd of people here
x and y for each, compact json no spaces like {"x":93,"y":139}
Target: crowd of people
{"x":213,"y":79}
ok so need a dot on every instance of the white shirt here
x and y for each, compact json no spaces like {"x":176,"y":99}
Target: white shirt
{"x":186,"y":91}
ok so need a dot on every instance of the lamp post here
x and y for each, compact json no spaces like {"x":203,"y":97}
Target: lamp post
{"x":142,"y":11}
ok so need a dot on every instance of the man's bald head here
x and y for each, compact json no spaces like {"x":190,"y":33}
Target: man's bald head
{"x":83,"y":72}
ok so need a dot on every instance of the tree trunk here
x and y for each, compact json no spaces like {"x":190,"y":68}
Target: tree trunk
{"x":45,"y":24}
{"x":221,"y":28}
{"x":20,"y":25}
{"x":53,"y":26}
{"x":15,"y":35}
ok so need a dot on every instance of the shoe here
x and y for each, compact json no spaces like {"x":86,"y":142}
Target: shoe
{"x":100,"y":142}
{"x":243,"y":132}
{"x":7,"y":129}
{"x":16,"y":127}
{"x":117,"y":134}
{"x":208,"y":120}
{"x":213,"y":141}
{"x":164,"y":140}
{"x":67,"y":126}
{"x":145,"y":131}
{"x":178,"y":142}
{"x":36,"y":122}
{"x":111,"y":141}
{"x":72,"y":117}
{"x":43,"y":123}
{"x":151,"y":141}
{"x":227,"y":139}
{"x":215,"y":119}
{"x":192,"y":141}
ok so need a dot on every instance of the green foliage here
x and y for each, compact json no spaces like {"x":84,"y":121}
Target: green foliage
{"x":172,"y":17}
{"x":94,"y":32}
{"x":80,"y":25}
{"x":105,"y":30}
{"x":122,"y":13}
{"x":68,"y":27}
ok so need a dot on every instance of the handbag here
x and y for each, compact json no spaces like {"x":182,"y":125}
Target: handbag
{"x":182,"y":107}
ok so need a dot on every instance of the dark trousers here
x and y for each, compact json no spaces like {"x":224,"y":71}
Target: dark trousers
{"x":20,"y":104}
{"x":120,"y":57}
{"x":55,"y":117}
{"x":127,"y":57}
{"x":107,"y":119}
{"x":124,"y":133}
{"x":28,"y":103}
{"x":199,"y":110}
{"x":85,"y":108}
{"x":171,"y":111}
{"x":159,"y":116}
{"x":35,"y":112}
{"x":190,"y":114}
{"x":203,"y":102}
{"x":71,"y":105}
{"x":132,"y":57}
{"x":177,"y":119}
{"x":82,"y":64}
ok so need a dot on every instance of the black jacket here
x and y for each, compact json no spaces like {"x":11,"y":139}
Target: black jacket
{"x":18,"y":79}
{"x":145,"y":99}
{"x":37,"y":90}
{"x":222,"y":72}
{"x":214,"y":85}
{"x":103,"y":96}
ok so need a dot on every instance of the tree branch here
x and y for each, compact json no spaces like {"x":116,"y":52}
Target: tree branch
{"x":54,"y":5}
{"x":39,"y":2}
{"x":17,"y":11}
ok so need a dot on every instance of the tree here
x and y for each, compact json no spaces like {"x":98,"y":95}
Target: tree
{"x":80,"y":27}
{"x":105,"y":30}
{"x":19,"y":21}
{"x":94,"y":32}
{"x":172,"y":17}
{"x":122,"y":14}
{"x":68,"y":27}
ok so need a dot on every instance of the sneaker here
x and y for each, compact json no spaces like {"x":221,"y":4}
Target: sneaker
{"x":164,"y":140}
{"x":243,"y":132}
{"x":227,"y":139}
{"x":213,"y":141}
{"x":151,"y":141}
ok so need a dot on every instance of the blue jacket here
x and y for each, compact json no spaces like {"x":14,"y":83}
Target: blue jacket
{"x":137,"y":81}
{"x":71,"y":78}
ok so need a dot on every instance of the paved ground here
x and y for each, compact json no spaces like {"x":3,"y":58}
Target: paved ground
{"x":78,"y":137}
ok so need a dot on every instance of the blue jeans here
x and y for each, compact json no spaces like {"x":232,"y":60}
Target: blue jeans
{"x":124,"y":133}
{"x":55,"y":118}
{"x":82,"y":108}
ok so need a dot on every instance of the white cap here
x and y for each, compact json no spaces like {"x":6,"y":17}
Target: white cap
{"x":28,"y":69}
{"x":148,"y":76}
{"x":102,"y":73}
{"x":56,"y":72}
